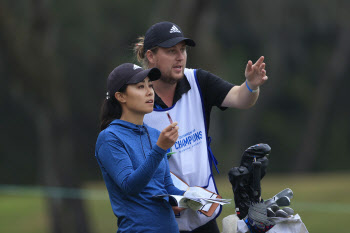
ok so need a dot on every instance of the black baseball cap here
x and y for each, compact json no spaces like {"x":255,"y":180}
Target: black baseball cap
{"x":129,"y":73}
{"x":166,"y":35}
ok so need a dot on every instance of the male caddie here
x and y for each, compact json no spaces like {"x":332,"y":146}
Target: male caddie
{"x":189,"y":95}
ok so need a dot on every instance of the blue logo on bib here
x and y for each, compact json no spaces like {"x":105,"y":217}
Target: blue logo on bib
{"x":188,"y":139}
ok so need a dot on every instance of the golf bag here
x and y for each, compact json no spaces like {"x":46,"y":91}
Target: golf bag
{"x":245,"y":179}
{"x":259,"y":215}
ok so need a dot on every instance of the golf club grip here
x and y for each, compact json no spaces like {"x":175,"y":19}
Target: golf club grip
{"x":256,"y":180}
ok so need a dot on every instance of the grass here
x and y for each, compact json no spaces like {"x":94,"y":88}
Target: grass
{"x":320,"y":199}
{"x":22,"y":214}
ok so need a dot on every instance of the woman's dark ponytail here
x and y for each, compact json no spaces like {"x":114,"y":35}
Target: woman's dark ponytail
{"x":110,"y":110}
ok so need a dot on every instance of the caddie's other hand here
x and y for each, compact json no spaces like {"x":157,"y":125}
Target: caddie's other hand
{"x":256,"y":74}
{"x":168,"y":136}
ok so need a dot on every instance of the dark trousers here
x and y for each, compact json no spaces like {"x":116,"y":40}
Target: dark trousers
{"x":209,"y":227}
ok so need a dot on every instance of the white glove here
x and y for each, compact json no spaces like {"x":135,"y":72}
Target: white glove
{"x":193,"y":192}
{"x":194,"y":205}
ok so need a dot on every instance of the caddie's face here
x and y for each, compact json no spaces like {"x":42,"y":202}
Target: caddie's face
{"x":171,"y":62}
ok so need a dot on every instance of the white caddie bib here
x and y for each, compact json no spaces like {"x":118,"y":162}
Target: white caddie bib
{"x":190,"y":160}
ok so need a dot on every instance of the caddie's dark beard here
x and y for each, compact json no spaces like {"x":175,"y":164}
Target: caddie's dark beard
{"x":170,"y":80}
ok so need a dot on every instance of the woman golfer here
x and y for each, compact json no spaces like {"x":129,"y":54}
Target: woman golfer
{"x":132,"y":155}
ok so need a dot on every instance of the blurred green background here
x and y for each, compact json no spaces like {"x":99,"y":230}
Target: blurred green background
{"x":55,"y":57}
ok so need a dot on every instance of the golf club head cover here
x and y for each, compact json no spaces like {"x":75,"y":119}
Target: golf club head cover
{"x":259,"y":152}
{"x":239,"y":179}
{"x":257,"y":219}
{"x":245,"y":188}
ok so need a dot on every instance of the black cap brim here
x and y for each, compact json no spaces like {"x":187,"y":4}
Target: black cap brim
{"x":174,"y":41}
{"x":153,"y":74}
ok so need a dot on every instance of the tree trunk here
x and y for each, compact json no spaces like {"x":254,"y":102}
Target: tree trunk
{"x":322,"y":101}
{"x":39,"y":87}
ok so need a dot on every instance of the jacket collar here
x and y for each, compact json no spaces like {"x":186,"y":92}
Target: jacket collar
{"x":128,"y":125}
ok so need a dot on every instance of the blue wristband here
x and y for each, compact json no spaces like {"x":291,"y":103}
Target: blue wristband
{"x":252,"y":91}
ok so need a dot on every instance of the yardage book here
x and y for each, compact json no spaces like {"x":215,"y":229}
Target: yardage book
{"x":206,"y":203}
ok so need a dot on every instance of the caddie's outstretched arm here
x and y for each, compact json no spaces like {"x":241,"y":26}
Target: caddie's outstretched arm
{"x":245,"y":95}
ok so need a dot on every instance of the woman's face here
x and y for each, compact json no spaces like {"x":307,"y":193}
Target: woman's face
{"x":139,"y":97}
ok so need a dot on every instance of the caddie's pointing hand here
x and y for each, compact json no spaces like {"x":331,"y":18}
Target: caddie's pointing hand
{"x":256,"y":74}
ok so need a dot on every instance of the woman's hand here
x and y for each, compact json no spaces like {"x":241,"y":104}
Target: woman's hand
{"x":168,"y":136}
{"x":177,"y":210}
